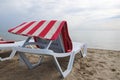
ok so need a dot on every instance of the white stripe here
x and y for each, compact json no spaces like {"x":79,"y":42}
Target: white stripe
{"x":30,"y":28}
{"x":53,"y":29}
{"x":20,"y":27}
{"x":41,"y":28}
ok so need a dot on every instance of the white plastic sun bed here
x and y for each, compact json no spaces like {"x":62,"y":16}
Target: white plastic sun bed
{"x":51,"y":38}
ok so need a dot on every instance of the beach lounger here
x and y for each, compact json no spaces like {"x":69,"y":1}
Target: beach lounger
{"x":51,"y":38}
{"x":8,"y":45}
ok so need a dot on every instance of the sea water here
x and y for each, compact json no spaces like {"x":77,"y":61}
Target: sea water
{"x":94,"y":39}
{"x":98,"y":39}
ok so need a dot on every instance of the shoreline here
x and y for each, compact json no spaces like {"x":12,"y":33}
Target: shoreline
{"x":99,"y":64}
{"x":104,"y":49}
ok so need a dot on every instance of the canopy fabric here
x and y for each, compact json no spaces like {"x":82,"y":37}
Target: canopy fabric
{"x":45,"y":29}
{"x":6,"y":42}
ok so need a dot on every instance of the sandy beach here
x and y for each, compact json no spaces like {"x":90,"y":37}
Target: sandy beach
{"x":98,"y":65}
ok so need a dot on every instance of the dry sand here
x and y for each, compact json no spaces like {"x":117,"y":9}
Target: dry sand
{"x":98,"y":65}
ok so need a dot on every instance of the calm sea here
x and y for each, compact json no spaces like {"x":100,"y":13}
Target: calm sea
{"x":98,"y":39}
{"x":95,"y":39}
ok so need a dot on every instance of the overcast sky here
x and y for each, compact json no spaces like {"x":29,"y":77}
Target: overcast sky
{"x":80,"y":14}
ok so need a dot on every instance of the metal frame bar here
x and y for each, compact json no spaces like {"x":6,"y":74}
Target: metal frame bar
{"x":23,"y":58}
{"x":69,"y":66}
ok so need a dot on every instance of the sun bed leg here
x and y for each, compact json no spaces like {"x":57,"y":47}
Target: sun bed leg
{"x":69,"y":67}
{"x":27,"y":62}
{"x":71,"y":61}
{"x":83,"y":51}
{"x":39,"y":62}
{"x":10,"y":57}
{"x":58,"y":66}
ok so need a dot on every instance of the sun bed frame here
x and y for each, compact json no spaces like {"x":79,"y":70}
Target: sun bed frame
{"x":46,"y":45}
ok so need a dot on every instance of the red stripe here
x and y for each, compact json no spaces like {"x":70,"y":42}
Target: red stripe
{"x":66,"y":39}
{"x":10,"y":30}
{"x":55,"y":36}
{"x":25,"y":27}
{"x":47,"y":28}
{"x":65,"y":36}
{"x":36,"y":27}
{"x":5,"y":42}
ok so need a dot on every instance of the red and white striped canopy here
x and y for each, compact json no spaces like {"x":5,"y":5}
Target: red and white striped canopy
{"x":43,"y":29}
